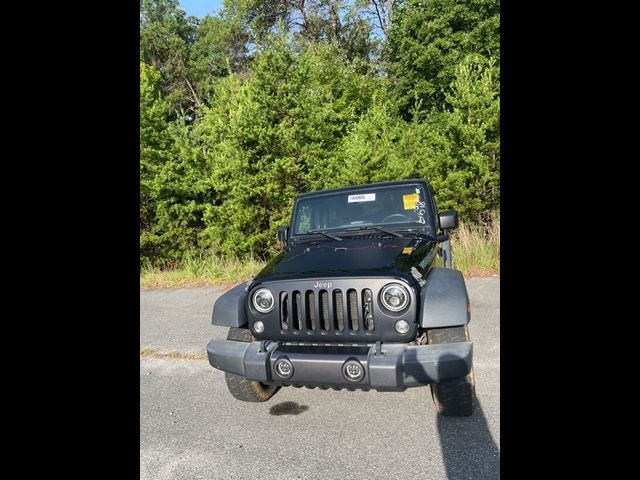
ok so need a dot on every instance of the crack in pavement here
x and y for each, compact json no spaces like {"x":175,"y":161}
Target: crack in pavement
{"x":152,"y":353}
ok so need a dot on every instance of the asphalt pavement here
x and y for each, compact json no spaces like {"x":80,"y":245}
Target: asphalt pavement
{"x":191,"y":427}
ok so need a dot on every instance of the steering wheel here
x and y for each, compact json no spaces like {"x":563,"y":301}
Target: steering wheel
{"x":402,"y":217}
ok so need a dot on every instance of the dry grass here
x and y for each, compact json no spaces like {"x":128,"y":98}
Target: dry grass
{"x":201,"y":271}
{"x":152,"y":353}
{"x":476,"y":249}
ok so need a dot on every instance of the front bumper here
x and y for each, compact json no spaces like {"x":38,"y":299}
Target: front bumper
{"x":386,"y":367}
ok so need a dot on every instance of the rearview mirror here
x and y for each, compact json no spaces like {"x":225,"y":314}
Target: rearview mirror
{"x":448,"y":219}
{"x":283,"y":236}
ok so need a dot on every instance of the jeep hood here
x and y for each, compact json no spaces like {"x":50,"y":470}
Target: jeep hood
{"x":351,"y":257}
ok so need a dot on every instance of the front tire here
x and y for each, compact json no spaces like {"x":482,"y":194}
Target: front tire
{"x":241,"y":388}
{"x":455,"y":397}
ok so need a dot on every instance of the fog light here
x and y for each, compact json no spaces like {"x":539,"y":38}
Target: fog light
{"x":258,"y":327}
{"x":353,"y":371}
{"x":284,"y":368}
{"x":402,"y":326}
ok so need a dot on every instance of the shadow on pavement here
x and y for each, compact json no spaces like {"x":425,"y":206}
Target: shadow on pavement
{"x":468,"y":448}
{"x":288,"y":408}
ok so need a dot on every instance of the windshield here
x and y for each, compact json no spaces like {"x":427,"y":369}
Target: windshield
{"x":397,"y":205}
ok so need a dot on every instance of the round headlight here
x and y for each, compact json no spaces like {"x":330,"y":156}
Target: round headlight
{"x":263,"y":300}
{"x":394,"y":297}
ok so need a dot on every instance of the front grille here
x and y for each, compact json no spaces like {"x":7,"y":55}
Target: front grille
{"x":333,"y":310}
{"x":326,"y":311}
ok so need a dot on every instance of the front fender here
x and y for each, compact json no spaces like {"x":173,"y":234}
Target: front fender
{"x":229,"y":310}
{"x":444,"y":301}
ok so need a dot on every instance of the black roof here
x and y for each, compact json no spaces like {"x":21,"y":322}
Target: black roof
{"x":364,"y":187}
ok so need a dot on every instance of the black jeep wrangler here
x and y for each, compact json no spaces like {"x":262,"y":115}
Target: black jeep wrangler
{"x":362,"y":296}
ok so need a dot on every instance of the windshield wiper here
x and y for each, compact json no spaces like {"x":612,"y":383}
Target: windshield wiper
{"x":371,"y":227}
{"x":320,"y":232}
{"x":418,"y":233}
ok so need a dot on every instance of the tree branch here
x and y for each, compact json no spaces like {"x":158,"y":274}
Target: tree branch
{"x":380,"y":18}
{"x":193,"y":92}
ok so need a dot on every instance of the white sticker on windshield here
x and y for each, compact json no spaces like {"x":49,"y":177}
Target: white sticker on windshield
{"x":362,"y":197}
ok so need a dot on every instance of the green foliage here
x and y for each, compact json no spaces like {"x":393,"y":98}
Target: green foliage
{"x":337,"y":21}
{"x":219,"y":50}
{"x":173,"y":193}
{"x":467,"y":173}
{"x":272,"y":135}
{"x":428,"y":40}
{"x":154,"y":153}
{"x":456,"y":149}
{"x":242,"y":111}
{"x":165,"y":35}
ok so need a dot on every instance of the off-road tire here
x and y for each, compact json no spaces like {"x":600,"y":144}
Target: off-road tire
{"x":240,"y":387}
{"x":456,"y":397}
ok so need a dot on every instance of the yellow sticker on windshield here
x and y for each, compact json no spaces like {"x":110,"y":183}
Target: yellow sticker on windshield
{"x":407,"y":250}
{"x":410,"y":201}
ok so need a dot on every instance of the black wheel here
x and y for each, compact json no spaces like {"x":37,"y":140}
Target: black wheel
{"x":454,"y":397}
{"x":240,"y":387}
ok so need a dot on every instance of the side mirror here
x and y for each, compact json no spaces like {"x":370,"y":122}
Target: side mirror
{"x":448,"y":219}
{"x":283,"y":236}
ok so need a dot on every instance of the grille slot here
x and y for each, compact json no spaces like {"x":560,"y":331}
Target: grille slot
{"x":324,"y":310}
{"x":284,"y":311}
{"x":338,"y":310}
{"x":328,"y":311}
{"x":297,"y":311}
{"x":310,"y":309}
{"x":353,"y":310}
{"x":367,"y":308}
